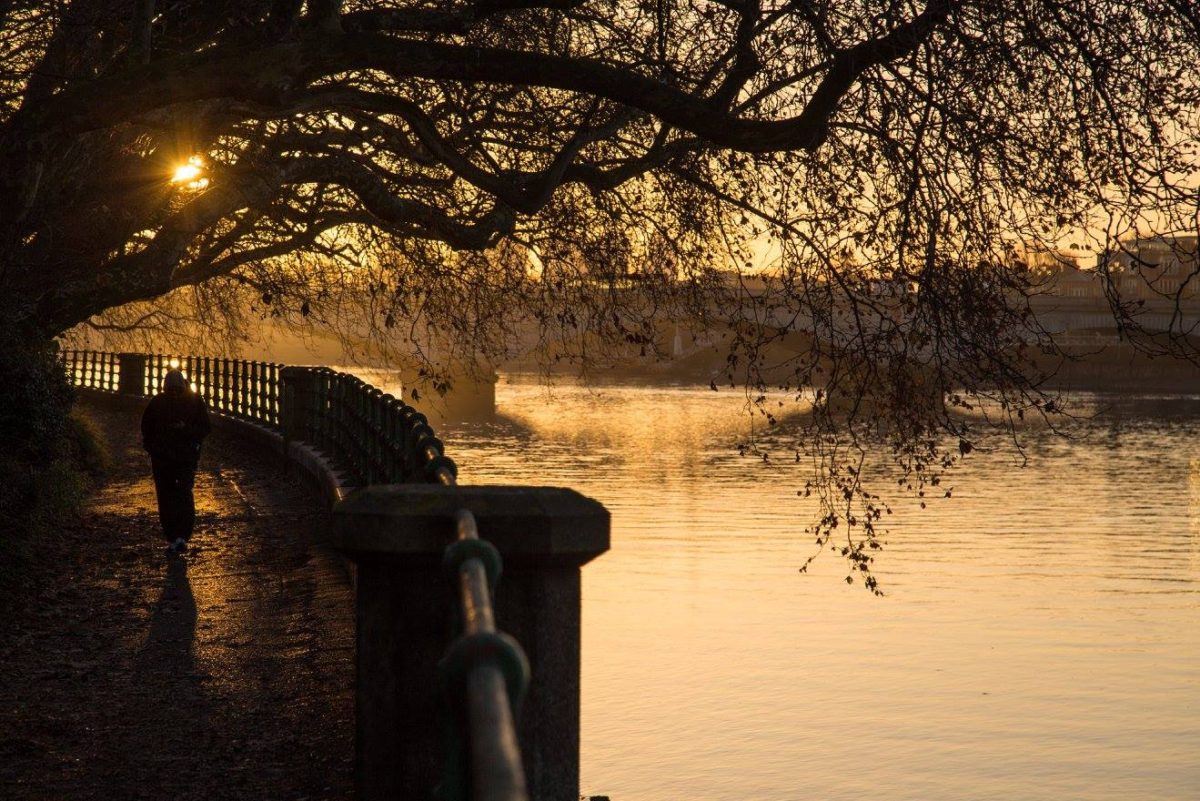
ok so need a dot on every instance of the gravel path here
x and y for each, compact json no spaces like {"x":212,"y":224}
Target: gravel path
{"x":226,"y":674}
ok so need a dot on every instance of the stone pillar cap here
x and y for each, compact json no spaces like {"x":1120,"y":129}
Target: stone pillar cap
{"x":535,"y":523}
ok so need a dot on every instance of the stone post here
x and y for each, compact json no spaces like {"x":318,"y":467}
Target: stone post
{"x":396,"y":534}
{"x":131,"y":375}
{"x":297,"y":387}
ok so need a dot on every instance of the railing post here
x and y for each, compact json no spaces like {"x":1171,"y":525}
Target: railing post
{"x":298,"y":390}
{"x":397,"y":534}
{"x":131,"y":378}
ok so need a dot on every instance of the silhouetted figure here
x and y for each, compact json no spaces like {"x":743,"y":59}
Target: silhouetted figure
{"x":173,"y":426}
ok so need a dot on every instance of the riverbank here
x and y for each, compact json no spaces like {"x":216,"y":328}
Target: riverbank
{"x":1090,"y":364}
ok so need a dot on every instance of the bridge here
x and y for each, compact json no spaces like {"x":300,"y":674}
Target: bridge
{"x":338,"y":632}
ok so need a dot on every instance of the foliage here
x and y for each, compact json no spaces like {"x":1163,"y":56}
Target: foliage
{"x":450,"y":177}
{"x":33,"y":418}
{"x":46,"y":455}
{"x":39,"y":496}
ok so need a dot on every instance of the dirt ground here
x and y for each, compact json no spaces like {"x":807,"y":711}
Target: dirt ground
{"x":225,"y":674}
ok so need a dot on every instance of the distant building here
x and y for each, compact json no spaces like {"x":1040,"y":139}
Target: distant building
{"x":1156,"y":278}
{"x":1063,"y":275}
{"x":1156,"y":267}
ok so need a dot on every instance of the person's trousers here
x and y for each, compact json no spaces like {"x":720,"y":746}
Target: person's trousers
{"x":176,"y":505}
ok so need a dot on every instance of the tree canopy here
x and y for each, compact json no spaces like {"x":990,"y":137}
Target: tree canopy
{"x":584,"y":162}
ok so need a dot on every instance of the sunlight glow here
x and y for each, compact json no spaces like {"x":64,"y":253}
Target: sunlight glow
{"x":185,"y":172}
{"x":189,"y":174}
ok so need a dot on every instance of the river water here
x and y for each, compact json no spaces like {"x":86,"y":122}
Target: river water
{"x":1039,"y":639}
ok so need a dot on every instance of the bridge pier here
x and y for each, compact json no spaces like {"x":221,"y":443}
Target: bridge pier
{"x":471,"y":398}
{"x":397,"y":534}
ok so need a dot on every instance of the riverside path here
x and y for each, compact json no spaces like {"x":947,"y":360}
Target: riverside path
{"x":227,"y":674}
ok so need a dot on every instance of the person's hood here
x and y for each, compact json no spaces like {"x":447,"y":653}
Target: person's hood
{"x":174,"y":381}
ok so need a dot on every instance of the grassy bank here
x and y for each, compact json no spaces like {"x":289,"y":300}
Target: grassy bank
{"x":39,"y":496}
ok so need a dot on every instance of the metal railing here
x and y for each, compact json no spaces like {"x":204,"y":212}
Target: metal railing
{"x":245,"y":389}
{"x":378,"y":439}
{"x":372,"y":436}
{"x":92,"y":369}
{"x":486,"y":675}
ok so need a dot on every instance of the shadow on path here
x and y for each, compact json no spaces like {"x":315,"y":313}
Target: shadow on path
{"x":165,"y":701}
{"x":170,"y":645}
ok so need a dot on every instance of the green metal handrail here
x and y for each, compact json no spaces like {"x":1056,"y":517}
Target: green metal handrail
{"x":485,"y":671}
{"x":485,"y":674}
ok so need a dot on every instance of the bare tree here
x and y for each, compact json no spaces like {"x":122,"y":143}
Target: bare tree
{"x":588,"y":164}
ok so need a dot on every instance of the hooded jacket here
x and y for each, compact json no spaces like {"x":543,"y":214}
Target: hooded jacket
{"x":173,"y":426}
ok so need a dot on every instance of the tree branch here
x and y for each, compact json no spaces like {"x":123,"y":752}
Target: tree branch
{"x":278,"y":70}
{"x":143,"y":19}
{"x":524,"y":192}
{"x":409,"y":217}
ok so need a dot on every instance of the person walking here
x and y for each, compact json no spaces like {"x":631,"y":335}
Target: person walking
{"x":173,"y":426}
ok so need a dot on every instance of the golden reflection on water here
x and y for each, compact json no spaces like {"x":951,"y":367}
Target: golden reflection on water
{"x":1039,"y":639}
{"x":1194,"y":508}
